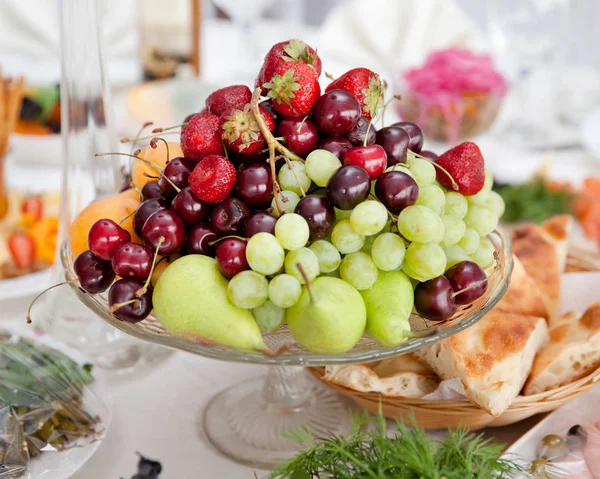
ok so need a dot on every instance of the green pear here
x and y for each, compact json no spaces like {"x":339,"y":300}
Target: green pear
{"x":389,"y":304}
{"x":190,"y":301}
{"x":329,"y":317}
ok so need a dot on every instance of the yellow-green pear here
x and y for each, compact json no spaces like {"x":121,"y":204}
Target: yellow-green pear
{"x":190,"y":301}
{"x":389,"y":304}
{"x":329,"y":317}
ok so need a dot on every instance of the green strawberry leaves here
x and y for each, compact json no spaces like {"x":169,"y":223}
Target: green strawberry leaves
{"x":298,"y":51}
{"x":373,"y":96}
{"x":241,"y":125}
{"x":282,"y":87}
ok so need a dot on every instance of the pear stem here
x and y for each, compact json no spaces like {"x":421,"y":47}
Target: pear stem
{"x":306,"y":281}
{"x":28,"y":317}
{"x":212,"y":243}
{"x":142,"y":291}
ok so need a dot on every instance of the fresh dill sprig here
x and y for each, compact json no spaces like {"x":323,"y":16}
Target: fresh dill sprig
{"x":369,"y":453}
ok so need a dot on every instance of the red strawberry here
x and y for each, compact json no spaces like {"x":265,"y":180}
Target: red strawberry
{"x":22,"y":249}
{"x":201,"y":136}
{"x":289,"y":51}
{"x":33,"y":206}
{"x":241,"y":132}
{"x":365,"y":85}
{"x":213,"y":179}
{"x":294,"y":89}
{"x":465,"y":164}
{"x":222,"y":101}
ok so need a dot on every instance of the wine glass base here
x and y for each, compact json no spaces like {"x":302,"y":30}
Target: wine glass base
{"x":242,"y":425}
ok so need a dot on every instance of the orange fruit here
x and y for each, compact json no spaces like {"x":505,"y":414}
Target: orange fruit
{"x":114,"y":207}
{"x":158,"y":156}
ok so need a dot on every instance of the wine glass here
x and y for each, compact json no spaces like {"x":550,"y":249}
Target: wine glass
{"x":247,"y":420}
{"x":86,"y":129}
{"x":528,"y":37}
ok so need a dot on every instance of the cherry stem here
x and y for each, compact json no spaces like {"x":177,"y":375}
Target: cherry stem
{"x":118,"y":306}
{"x":395,"y":97}
{"x":151,"y":176}
{"x":142,"y":291}
{"x":306,"y":281}
{"x":149,"y":163}
{"x":301,"y":124}
{"x":128,"y":216}
{"x":149,"y":137}
{"x":330,"y":76}
{"x":28,"y":317}
{"x":454,"y":185}
{"x":175,"y":187}
{"x":154,"y":145}
{"x":271,"y":140}
{"x":367,"y":132}
{"x":480,"y":282}
{"x":167,"y":128}
{"x":212,"y":243}
{"x":144,"y":126}
{"x":270,"y":143}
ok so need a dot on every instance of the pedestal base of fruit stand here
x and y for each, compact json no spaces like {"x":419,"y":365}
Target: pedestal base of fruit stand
{"x":248,"y":422}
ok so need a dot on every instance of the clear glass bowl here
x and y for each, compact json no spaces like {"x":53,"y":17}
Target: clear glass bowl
{"x":247,"y":420}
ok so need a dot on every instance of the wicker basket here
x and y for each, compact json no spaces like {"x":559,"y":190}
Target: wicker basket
{"x":443,"y":414}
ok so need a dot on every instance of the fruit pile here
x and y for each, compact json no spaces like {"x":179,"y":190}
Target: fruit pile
{"x":314,"y":218}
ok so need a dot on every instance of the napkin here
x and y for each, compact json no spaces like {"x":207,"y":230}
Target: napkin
{"x":30,"y":39}
{"x":389,"y":36}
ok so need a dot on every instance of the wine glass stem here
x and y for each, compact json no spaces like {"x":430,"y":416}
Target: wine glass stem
{"x":286,"y":388}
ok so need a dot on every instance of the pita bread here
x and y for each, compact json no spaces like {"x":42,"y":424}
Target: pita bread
{"x":573,"y":352}
{"x":523,"y":296}
{"x":543,"y":252}
{"x":492,"y":358}
{"x":400,"y":376}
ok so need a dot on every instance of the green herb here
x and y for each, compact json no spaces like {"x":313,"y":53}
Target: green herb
{"x":368,"y":453}
{"x":534,"y":201}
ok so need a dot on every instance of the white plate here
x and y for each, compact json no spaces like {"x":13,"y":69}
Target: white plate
{"x":27,"y":285}
{"x":97,"y":400}
{"x":590,"y":133}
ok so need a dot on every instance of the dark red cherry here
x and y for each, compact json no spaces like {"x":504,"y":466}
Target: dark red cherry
{"x":467,"y":276}
{"x":337,"y":145}
{"x":151,"y":190}
{"x":396,"y":190}
{"x":429,"y":154}
{"x":94,"y":275}
{"x":133,"y":259}
{"x":199,"y":238}
{"x":231,"y":257}
{"x":357,"y":134}
{"x":318,"y":213}
{"x":394,"y":140}
{"x":259,"y":222}
{"x":165,"y":225}
{"x":299,"y":135}
{"x":104,"y":237}
{"x":415,"y":133}
{"x":189,"y":208}
{"x":254,"y":185}
{"x":178,"y":171}
{"x":348,"y":186}
{"x":145,"y":210}
{"x":336,"y":112}
{"x":229,"y":217}
{"x":434,"y":299}
{"x":124,"y":291}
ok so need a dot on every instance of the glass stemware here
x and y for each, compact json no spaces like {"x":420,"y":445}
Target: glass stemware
{"x":246,"y":421}
{"x":86,"y":129}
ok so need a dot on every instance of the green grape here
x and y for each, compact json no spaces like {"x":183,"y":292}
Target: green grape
{"x":269,"y":317}
{"x":454,"y":229}
{"x":309,"y":261}
{"x":369,"y":217}
{"x":296,"y":183}
{"x":400,"y":167}
{"x":284,"y":290}
{"x":455,"y":254}
{"x":320,"y":165}
{"x":287,"y":200}
{"x":291,"y":230}
{"x":359,"y":270}
{"x":388,"y":251}
{"x":470,"y":241}
{"x":422,"y":171}
{"x":489,"y":181}
{"x":264,"y":253}
{"x":369,"y":240}
{"x":342,"y":214}
{"x":345,"y":239}
{"x":328,"y":256}
{"x":484,"y":254}
{"x":496,"y":204}
{"x":419,"y":223}
{"x":479,"y":199}
{"x":248,"y":290}
{"x":333,"y":274}
{"x":456,"y":205}
{"x":481,"y":219}
{"x":424,"y":261}
{"x":433,"y":197}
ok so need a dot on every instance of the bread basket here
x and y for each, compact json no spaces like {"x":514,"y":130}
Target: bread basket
{"x":442,"y":414}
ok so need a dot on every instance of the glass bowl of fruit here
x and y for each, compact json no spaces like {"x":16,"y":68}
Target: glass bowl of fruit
{"x":285,"y":231}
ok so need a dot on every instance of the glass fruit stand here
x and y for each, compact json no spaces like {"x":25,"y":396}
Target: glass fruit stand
{"x":246,"y":422}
